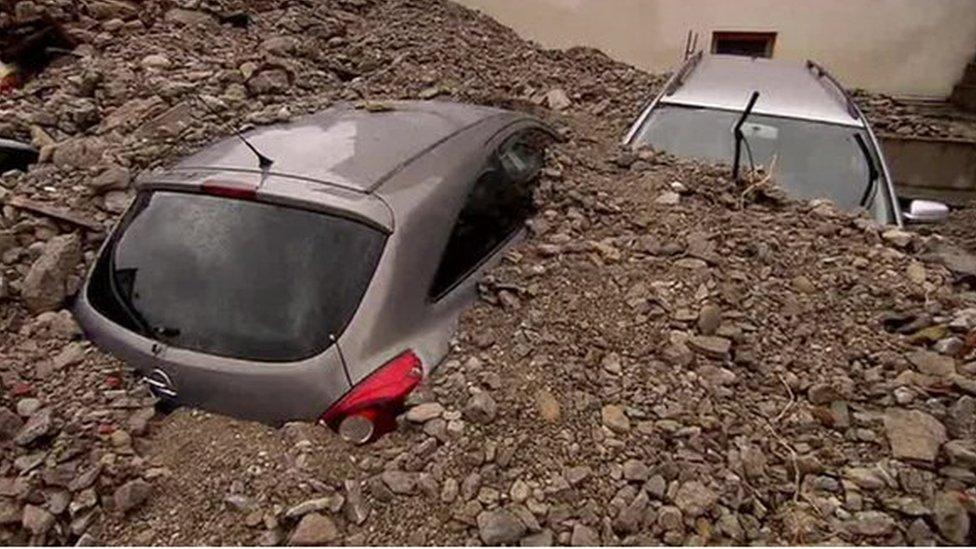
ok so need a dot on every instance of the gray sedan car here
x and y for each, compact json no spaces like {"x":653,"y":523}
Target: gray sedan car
{"x":321,"y":277}
{"x":794,"y":119}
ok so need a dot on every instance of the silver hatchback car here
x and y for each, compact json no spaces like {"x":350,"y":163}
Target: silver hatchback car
{"x":324,"y":282}
{"x":792,"y":118}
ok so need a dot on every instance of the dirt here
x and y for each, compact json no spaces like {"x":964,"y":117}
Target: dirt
{"x":676,"y":358}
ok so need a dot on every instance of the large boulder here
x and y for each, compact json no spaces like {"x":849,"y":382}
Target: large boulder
{"x":44,"y":287}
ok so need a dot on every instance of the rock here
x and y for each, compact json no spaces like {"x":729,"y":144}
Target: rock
{"x":130,"y":495}
{"x":962,"y":453}
{"x":424,"y":412}
{"x":803,"y":285}
{"x":188,"y":17}
{"x":269,"y":81}
{"x":656,"y":486}
{"x":27,"y":406}
{"x":557,"y":100}
{"x":584,"y":536}
{"x":44,"y":287}
{"x":450,"y":489}
{"x":10,"y":512}
{"x":668,"y":198}
{"x":920,"y":534}
{"x":114,"y":178}
{"x":709,"y":319}
{"x":615,"y":419}
{"x":547,"y":406}
{"x":711,"y":346}
{"x":78,"y":153}
{"x":314,"y":529}
{"x":10,"y":423}
{"x":355,"y":509}
{"x":156,"y":61}
{"x":611,"y":364}
{"x":481,"y":408}
{"x":729,"y":525}
{"x":399,"y":482}
{"x":822,"y":393}
{"x":39,"y":425}
{"x":331,"y":503}
{"x":116,"y":201}
{"x":575,"y":475}
{"x":138,"y":422}
{"x":280,"y":45}
{"x":270,"y":538}
{"x":629,"y":519}
{"x":694,"y":498}
{"x":932,"y":364}
{"x":73,"y":353}
{"x":499,"y":527}
{"x":868,"y":478}
{"x":37,"y":520}
{"x":897,"y":237}
{"x":915,"y":272}
{"x":950,"y":346}
{"x":539,"y":539}
{"x":519,"y":491}
{"x":635,"y":470}
{"x":913,"y":434}
{"x":717,"y":377}
{"x":871,"y":523}
{"x":110,"y":9}
{"x":669,"y":519}
{"x":951,"y":517}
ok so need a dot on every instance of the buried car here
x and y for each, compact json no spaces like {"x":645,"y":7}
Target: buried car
{"x":794,"y":119}
{"x":325,"y":280}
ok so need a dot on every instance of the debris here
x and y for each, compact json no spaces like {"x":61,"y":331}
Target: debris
{"x":55,"y":212}
{"x":314,"y":529}
{"x":913,"y":434}
{"x":499,"y":527}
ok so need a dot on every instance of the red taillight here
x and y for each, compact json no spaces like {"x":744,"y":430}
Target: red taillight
{"x":377,"y":399}
{"x":230,"y":189}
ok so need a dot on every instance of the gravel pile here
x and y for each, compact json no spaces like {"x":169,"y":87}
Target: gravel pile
{"x":891,"y":116}
{"x":670,"y":358}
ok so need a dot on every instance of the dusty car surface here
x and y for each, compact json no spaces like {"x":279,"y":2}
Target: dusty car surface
{"x":802,"y":126}
{"x":322,"y":285}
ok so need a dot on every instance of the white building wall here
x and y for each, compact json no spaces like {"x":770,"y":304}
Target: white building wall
{"x":916,"y":47}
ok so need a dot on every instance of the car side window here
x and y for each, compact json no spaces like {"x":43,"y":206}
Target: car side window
{"x":500,"y":202}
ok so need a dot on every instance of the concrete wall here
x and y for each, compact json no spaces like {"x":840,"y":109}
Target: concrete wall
{"x":894,"y":46}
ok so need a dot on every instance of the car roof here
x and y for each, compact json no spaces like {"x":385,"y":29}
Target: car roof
{"x":785,"y":89}
{"x":349,"y":147}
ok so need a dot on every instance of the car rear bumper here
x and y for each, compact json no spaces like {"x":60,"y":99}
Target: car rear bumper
{"x":272,"y":393}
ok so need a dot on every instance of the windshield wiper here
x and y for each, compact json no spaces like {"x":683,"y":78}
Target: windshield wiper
{"x":872,"y":170}
{"x":737,"y":132}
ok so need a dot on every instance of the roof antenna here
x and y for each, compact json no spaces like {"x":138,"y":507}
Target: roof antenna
{"x":264,"y":162}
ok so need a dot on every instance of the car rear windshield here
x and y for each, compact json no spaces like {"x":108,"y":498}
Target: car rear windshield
{"x":234,"y":278}
{"x":808,"y":159}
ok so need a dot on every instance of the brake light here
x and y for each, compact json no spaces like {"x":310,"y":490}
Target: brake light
{"x":370,"y":408}
{"x":230,"y":189}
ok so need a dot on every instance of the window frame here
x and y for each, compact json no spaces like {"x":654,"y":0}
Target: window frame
{"x":768,"y":38}
{"x":503,"y":137}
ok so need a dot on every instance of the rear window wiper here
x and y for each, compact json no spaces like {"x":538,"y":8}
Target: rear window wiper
{"x":739,"y":136}
{"x":872,"y":170}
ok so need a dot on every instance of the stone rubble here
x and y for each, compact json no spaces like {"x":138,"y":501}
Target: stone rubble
{"x":670,"y":358}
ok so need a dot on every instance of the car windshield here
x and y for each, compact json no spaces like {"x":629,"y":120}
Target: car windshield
{"x":808,"y":159}
{"x":235,"y":278}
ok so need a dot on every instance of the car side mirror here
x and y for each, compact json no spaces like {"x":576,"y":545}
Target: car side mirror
{"x":926,"y":211}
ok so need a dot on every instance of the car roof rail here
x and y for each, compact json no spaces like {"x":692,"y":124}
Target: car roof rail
{"x":679,"y":77}
{"x":821,"y":74}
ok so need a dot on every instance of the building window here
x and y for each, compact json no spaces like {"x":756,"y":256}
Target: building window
{"x":749,"y":44}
